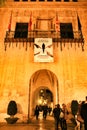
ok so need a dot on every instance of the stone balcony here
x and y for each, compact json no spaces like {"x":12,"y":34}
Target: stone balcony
{"x":31,"y":35}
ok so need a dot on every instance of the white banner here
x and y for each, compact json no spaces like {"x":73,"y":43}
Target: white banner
{"x":43,"y":50}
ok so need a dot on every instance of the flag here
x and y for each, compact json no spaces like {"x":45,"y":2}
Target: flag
{"x":30,"y":23}
{"x":79,"y":23}
{"x":10,"y":22}
{"x":57,"y":23}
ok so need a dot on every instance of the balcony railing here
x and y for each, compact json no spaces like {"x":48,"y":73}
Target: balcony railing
{"x":56,"y":38}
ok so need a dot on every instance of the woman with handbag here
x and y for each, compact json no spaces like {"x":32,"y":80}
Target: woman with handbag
{"x":63,"y":117}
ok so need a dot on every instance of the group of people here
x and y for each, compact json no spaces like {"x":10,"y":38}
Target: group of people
{"x":45,"y":109}
{"x":60,"y":114}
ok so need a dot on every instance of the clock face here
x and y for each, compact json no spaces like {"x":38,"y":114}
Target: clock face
{"x":43,"y":50}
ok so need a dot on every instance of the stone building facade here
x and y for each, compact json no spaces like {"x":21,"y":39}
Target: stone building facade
{"x":56,"y":76}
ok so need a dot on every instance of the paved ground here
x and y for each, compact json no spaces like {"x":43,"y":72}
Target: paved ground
{"x":40,"y":124}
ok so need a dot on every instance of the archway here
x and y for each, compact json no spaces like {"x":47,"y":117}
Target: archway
{"x":43,"y":82}
{"x":43,"y":96}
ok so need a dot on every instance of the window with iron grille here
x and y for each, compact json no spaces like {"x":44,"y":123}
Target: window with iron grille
{"x":66,"y":30}
{"x":16,"y":0}
{"x":21,"y":30}
{"x":75,"y":0}
{"x":66,"y":0}
{"x":24,"y":0}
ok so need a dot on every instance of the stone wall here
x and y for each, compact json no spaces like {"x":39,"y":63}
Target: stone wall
{"x":17,"y":65}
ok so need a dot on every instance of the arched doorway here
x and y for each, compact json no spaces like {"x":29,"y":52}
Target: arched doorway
{"x":43,"y":88}
{"x":43,"y":96}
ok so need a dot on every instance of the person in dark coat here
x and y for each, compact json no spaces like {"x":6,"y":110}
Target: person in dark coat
{"x":49,"y":110}
{"x":56,"y":113}
{"x":37,"y":112}
{"x":45,"y":110}
{"x":84,"y":113}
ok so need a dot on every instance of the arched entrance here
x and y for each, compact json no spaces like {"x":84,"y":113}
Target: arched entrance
{"x":43,"y":96}
{"x":43,"y":88}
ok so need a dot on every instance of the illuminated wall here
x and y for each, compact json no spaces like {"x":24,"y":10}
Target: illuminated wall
{"x":17,"y":66}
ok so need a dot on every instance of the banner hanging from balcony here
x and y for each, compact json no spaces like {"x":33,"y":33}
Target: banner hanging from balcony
{"x":43,"y":50}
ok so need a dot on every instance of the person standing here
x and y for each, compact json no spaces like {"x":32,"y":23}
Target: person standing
{"x":56,"y":113}
{"x":37,"y":112}
{"x":45,"y":110}
{"x":63,"y":123}
{"x":49,"y":110}
{"x":84,"y":113}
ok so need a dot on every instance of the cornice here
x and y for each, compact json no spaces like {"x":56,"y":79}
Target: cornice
{"x":45,"y":5}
